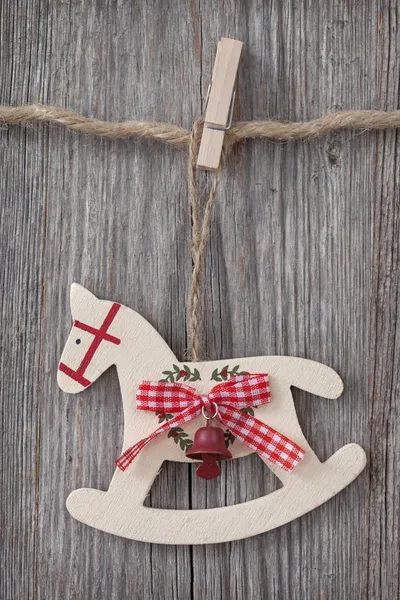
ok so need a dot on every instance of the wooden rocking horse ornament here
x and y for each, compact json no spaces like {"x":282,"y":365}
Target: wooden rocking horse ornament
{"x":106,"y":333}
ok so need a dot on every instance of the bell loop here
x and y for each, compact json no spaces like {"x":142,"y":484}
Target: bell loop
{"x":206,"y":410}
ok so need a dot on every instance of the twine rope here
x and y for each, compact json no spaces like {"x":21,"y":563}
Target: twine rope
{"x":173,"y":135}
{"x":177,"y":136}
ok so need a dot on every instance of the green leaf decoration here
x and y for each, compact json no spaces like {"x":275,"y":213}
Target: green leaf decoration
{"x":185,"y":444}
{"x":215,"y":376}
{"x":229,"y":438}
{"x":169,"y":377}
{"x":225,"y":373}
{"x":164,"y":416}
{"x":196,"y":375}
{"x":248,"y":409}
{"x":176,"y":374}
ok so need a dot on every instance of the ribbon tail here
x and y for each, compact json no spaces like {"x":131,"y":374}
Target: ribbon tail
{"x":266,"y":441}
{"x":129,"y":455}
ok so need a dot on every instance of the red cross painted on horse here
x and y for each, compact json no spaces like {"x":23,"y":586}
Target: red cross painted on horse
{"x":99,"y":335}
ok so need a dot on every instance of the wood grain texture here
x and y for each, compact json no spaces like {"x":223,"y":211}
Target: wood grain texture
{"x":303,"y":259}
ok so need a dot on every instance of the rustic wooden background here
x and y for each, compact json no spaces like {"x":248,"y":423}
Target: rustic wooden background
{"x":303,"y":259}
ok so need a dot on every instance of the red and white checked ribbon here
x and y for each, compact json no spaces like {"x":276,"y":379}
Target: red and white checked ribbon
{"x":239,"y":392}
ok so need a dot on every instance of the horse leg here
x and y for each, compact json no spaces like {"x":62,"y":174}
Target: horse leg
{"x":111,"y":510}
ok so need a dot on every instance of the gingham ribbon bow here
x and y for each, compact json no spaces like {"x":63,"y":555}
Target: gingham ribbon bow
{"x":239,"y":392}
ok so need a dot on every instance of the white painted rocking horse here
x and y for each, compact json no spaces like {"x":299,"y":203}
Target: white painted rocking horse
{"x":105,"y":334}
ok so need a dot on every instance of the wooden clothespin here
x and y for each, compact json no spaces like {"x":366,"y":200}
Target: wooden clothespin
{"x":219,"y":104}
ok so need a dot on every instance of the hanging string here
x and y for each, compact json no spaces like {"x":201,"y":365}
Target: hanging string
{"x":200,"y":234}
{"x":179,"y":137}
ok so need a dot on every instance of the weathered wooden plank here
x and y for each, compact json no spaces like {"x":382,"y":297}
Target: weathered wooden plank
{"x":382,"y":548}
{"x":295,"y":277}
{"x":23,"y":178}
{"x":116,"y":211}
{"x":22,"y":241}
{"x":303,"y":259}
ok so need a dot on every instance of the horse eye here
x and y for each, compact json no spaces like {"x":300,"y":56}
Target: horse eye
{"x":78,"y":341}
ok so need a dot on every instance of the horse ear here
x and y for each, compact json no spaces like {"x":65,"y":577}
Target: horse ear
{"x":80,"y":298}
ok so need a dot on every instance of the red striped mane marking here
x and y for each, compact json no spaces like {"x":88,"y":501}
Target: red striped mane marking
{"x":99,"y":335}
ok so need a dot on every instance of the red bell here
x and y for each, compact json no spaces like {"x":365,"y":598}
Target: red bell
{"x":209,"y":446}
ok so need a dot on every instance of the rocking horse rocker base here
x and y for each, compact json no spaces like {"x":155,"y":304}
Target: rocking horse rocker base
{"x":105,"y":334}
{"x":116,"y":511}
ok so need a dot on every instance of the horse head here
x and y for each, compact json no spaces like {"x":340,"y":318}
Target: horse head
{"x":91,"y":346}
